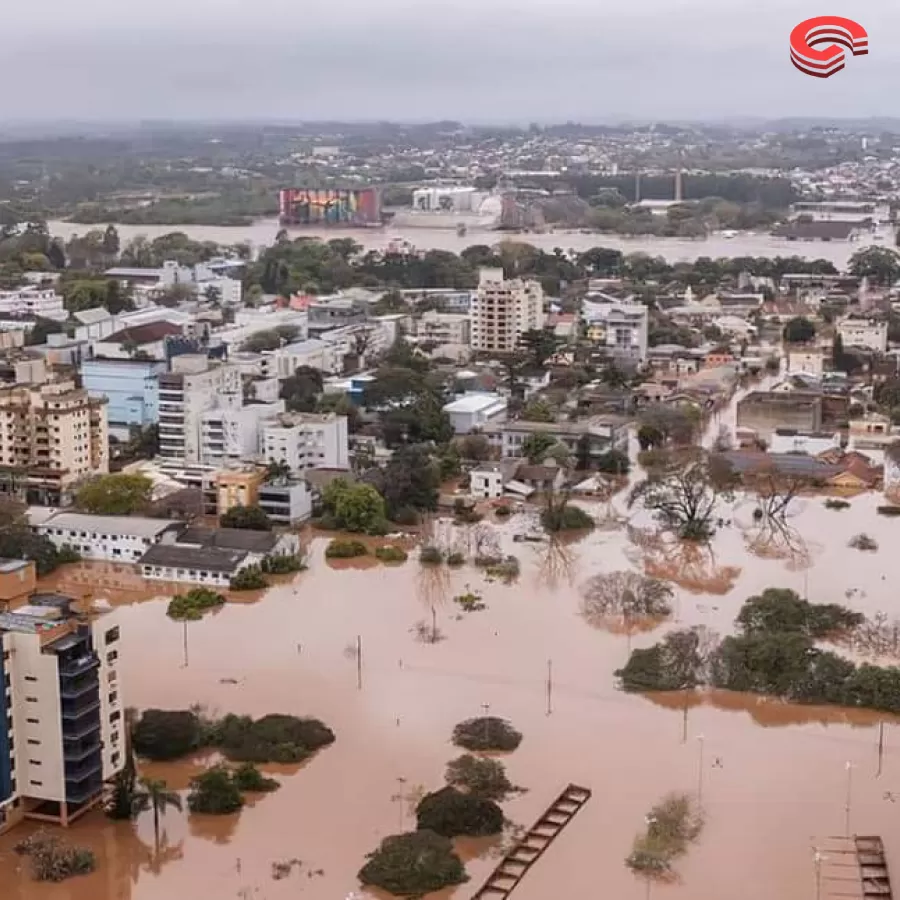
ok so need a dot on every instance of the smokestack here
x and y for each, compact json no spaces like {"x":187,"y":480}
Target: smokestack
{"x":679,"y":193}
{"x":637,"y":186}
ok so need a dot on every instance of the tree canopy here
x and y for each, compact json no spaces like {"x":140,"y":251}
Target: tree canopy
{"x":115,"y":495}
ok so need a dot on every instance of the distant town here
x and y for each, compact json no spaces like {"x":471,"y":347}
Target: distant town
{"x":363,"y":471}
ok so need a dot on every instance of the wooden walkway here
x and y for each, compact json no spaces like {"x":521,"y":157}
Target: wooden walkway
{"x":514,"y":866}
{"x":853,"y":868}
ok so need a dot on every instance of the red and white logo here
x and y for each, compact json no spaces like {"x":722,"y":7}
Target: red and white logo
{"x":831,"y":30}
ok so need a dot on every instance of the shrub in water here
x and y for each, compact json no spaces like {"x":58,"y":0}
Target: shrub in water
{"x":248,"y":778}
{"x":452,"y":813}
{"x":486,"y":733}
{"x":162,"y":734}
{"x":214,"y":793}
{"x":431,"y":556}
{"x":191,"y":606}
{"x":410,"y":865}
{"x":391,"y":554}
{"x":250,"y":578}
{"x":339,"y":549}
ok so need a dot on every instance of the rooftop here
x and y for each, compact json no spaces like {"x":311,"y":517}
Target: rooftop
{"x":202,"y":559}
{"x":473,"y":403}
{"x":230,"y":539}
{"x":143,"y":334}
{"x":71,"y":521}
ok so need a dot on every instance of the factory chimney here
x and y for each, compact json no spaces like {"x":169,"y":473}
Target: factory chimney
{"x":637,"y":186}
{"x":679,"y":192}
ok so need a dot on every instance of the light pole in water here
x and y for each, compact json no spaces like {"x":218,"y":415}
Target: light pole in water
{"x":818,"y":859}
{"x":700,"y":771}
{"x":849,"y":767}
{"x":487,"y":708}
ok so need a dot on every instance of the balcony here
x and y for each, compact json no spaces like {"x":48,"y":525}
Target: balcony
{"x":77,"y":774}
{"x":72,"y":667}
{"x":83,"y":792}
{"x":75,"y":751}
{"x":79,"y":730}
{"x":72,"y":689}
{"x":71,"y":711}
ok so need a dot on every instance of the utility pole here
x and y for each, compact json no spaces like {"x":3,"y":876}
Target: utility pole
{"x":849,"y":766}
{"x":880,"y":747}
{"x":359,"y":662}
{"x":700,"y":772}
{"x":185,"y":643}
{"x":549,"y":686}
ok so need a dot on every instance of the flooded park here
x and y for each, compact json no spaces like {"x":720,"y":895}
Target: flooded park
{"x":344,"y":643}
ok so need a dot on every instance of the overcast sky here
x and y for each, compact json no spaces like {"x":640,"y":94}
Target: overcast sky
{"x":472,"y":60}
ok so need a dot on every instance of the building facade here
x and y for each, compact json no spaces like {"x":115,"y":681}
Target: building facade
{"x":53,"y":435}
{"x":307,"y":441}
{"x":622,"y":328}
{"x":503,"y":310}
{"x":32,"y":303}
{"x":131,"y":387}
{"x":62,"y":737}
{"x":867,"y":334}
{"x":194,"y":386}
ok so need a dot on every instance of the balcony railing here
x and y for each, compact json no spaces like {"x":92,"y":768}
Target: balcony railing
{"x":77,"y":730}
{"x":77,"y":774}
{"x":74,"y":711}
{"x":72,"y":689}
{"x":76,"y":751}
{"x":78,"y":666}
{"x":83,"y":792}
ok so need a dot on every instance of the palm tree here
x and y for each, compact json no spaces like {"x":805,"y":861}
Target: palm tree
{"x":156,"y":796}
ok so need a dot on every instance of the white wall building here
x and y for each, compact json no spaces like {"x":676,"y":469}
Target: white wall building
{"x":486,"y":482}
{"x":33,"y":302}
{"x":443,"y":328}
{"x":622,"y":328}
{"x":121,"y":539}
{"x":307,"y":441}
{"x":502,"y":310}
{"x":62,"y":736}
{"x":232,"y":435}
{"x":475,"y":411}
{"x":807,"y":362}
{"x":867,"y":334}
{"x":193,"y":387}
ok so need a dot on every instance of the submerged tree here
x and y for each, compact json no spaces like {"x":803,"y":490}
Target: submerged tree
{"x":452,"y":813}
{"x":479,"y":776}
{"x":672,"y":826}
{"x":414,"y":864}
{"x":682,"y":492}
{"x":679,"y":662}
{"x":625,"y":601}
{"x":155,"y":795}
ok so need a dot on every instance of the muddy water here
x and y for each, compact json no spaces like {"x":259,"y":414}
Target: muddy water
{"x":773,"y":777}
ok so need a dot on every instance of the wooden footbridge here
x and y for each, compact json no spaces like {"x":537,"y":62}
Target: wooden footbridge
{"x":852,"y":868}
{"x":515,"y":865}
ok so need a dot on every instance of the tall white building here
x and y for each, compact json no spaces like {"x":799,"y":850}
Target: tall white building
{"x":307,"y":441}
{"x":623,"y":328}
{"x":62,"y":735}
{"x":232,"y":435}
{"x":194,"y":386}
{"x":502,"y":310}
{"x":867,"y":334}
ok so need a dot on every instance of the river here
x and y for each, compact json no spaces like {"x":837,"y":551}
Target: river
{"x":674,"y":250}
{"x":774,"y":776}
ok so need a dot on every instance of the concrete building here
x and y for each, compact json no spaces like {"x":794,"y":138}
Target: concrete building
{"x":32,"y":303}
{"x":194,"y":386}
{"x":502,"y":310}
{"x":867,"y":334}
{"x":130,"y":386}
{"x":603,"y":433}
{"x":307,"y":441}
{"x":764,"y":412}
{"x":475,"y":411}
{"x":443,"y":328}
{"x":238,"y":487}
{"x":55,"y":434}
{"x":212,"y":556}
{"x":62,"y":737}
{"x":337,"y":313}
{"x":231,"y":435}
{"x":122,"y":539}
{"x":622,"y":328}
{"x":286,"y":502}
{"x":806,"y":361}
{"x":148,"y":340}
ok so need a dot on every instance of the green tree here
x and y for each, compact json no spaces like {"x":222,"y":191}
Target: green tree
{"x":214,"y":793}
{"x":115,"y":495}
{"x":248,"y":518}
{"x":799,"y":330}
{"x":879,"y":264}
{"x":452,"y":813}
{"x":155,"y":795}
{"x":536,"y":445}
{"x":301,"y":390}
{"x":538,"y":410}
{"x":539,"y":345}
{"x":356,"y":508}
{"x":413,"y":864}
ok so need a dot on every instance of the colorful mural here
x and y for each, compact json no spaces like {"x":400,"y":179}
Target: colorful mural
{"x":330,"y":206}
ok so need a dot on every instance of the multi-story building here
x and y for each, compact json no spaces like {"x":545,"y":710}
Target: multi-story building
{"x":62,"y":729}
{"x":622,"y":328}
{"x":52,"y":435}
{"x":32,"y":303}
{"x":600,"y":434}
{"x":231,"y":435}
{"x":307,"y":441}
{"x":193,"y":387}
{"x":443,"y":328}
{"x":502,"y":310}
{"x":130,"y":386}
{"x":867,"y":334}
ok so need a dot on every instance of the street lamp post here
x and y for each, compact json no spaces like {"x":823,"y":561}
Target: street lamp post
{"x":700,"y":771}
{"x":818,"y":859}
{"x":849,"y":766}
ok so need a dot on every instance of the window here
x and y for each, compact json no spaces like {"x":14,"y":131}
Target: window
{"x":113,"y":697}
{"x":34,"y":762}
{"x":33,"y":721}
{"x":111,"y":657}
{"x":31,"y":699}
{"x":30,"y":678}
{"x":112,"y":635}
{"x":115,"y":717}
{"x":37,"y":783}
{"x":33,"y":742}
{"x":115,"y":757}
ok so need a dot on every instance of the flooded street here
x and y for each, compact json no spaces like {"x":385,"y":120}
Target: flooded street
{"x":773,"y":777}
{"x":263,"y":232}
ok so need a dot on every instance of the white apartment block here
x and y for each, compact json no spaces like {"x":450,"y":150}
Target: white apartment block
{"x":62,"y":731}
{"x":122,"y":539}
{"x":502,"y":310}
{"x":443,"y":328}
{"x":307,"y":441}
{"x":232,"y":435}
{"x":53,"y":432}
{"x":194,"y":386}
{"x":31,"y":303}
{"x":867,"y":334}
{"x":622,"y":328}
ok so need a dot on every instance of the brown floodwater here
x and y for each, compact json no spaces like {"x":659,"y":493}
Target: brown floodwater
{"x":773,"y":776}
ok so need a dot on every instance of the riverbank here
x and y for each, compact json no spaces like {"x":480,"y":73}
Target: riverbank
{"x":263,"y":232}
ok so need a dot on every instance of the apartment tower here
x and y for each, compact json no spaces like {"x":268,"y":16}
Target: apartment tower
{"x":504,"y":309}
{"x":62,"y":728}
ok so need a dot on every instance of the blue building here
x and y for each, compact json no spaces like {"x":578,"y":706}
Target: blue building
{"x":132,"y":387}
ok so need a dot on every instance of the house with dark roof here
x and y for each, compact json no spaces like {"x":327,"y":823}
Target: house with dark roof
{"x":147,"y":341}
